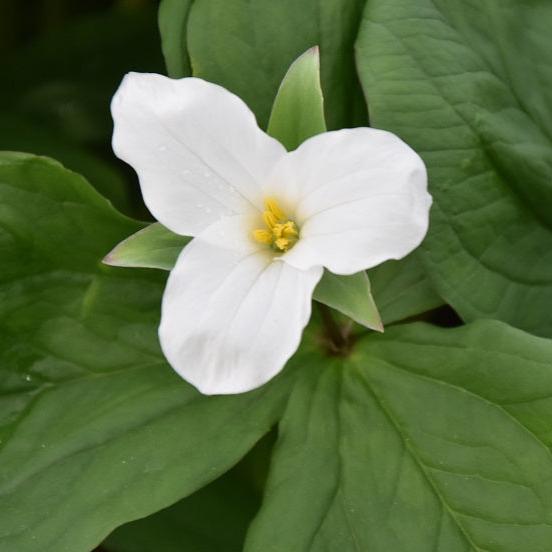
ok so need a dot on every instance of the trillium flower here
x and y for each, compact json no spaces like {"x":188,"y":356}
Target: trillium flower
{"x":265,"y":222}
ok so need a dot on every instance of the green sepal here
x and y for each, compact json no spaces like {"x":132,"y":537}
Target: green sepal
{"x":152,"y":247}
{"x":298,"y":110}
{"x":350,"y":295}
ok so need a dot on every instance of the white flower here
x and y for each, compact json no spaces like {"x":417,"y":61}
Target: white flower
{"x":265,"y":222}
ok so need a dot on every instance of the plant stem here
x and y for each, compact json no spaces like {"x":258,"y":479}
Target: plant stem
{"x":337,"y":338}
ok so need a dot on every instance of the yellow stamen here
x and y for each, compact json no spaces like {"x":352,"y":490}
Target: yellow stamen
{"x":289,"y":230}
{"x":282,"y":244}
{"x":280,"y":233}
{"x":272,"y":205}
{"x":263,"y":236}
{"x":269,"y":219}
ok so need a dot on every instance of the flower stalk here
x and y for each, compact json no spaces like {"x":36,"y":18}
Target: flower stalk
{"x":338,"y":338}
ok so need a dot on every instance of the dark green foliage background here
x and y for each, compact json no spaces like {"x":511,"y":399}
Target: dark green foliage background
{"x":428,"y":437}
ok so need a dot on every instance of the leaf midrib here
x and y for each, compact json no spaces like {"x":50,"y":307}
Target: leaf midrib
{"x":413,"y":453}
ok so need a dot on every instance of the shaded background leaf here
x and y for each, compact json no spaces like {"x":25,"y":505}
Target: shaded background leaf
{"x":58,"y":86}
{"x":248,"y":46}
{"x":448,"y":80}
{"x":402,"y":289}
{"x":173,"y":27}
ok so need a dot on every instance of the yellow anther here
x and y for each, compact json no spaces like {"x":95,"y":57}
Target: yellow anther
{"x":263,"y":236}
{"x":280,"y":233}
{"x":270,"y":219}
{"x":289,"y":230}
{"x":277,"y":230}
{"x":282,"y":244}
{"x":272,"y":206}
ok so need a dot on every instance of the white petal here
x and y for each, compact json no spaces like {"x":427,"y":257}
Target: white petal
{"x":360,"y":198}
{"x":196,"y":147}
{"x":232,"y":318}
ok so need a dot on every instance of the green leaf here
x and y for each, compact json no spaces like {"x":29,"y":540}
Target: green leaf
{"x":95,"y":428}
{"x":298,"y":110}
{"x":402,"y":289}
{"x":467,"y":89}
{"x":351,"y":296}
{"x":248,"y":46}
{"x":173,"y":21}
{"x":423,"y":439}
{"x":152,"y":247}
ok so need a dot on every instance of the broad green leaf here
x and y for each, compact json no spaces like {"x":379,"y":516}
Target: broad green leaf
{"x":173,"y":20}
{"x":95,"y":428}
{"x":351,"y":296}
{"x":298,"y":109}
{"x":402,"y":289}
{"x":467,"y":88}
{"x":152,"y":247}
{"x":248,"y":46}
{"x":423,"y":439}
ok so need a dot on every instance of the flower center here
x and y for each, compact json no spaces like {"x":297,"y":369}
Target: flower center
{"x":280,"y":233}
